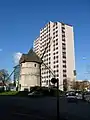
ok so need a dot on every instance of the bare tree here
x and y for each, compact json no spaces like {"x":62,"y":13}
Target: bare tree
{"x":4,"y":75}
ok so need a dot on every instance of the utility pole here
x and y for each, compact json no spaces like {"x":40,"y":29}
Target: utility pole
{"x":40,"y":76}
{"x":57,"y":99}
{"x":54,"y":80}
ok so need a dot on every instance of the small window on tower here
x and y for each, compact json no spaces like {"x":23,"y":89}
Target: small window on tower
{"x":35,"y":65}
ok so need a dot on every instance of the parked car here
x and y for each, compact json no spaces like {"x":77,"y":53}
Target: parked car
{"x":79,"y":95}
{"x":31,"y":93}
{"x":12,"y":88}
{"x":87,"y":96}
{"x":35,"y":94}
{"x":71,"y":97}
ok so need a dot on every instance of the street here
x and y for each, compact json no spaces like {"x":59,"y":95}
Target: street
{"x":12,"y":108}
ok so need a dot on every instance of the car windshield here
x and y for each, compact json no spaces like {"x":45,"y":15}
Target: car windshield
{"x":71,"y":94}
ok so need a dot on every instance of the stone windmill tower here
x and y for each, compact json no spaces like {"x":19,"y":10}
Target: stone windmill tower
{"x":29,"y":70}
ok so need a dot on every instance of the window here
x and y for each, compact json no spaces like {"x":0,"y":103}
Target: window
{"x":56,"y":43}
{"x":55,"y":23}
{"x":63,"y":39}
{"x":57,"y":52}
{"x":53,"y":45}
{"x":63,"y":24}
{"x":64,"y":66}
{"x":57,"y":66}
{"x":47,"y":82}
{"x":63,"y":44}
{"x":64,"y":53}
{"x":63,"y":36}
{"x":64,"y":75}
{"x":57,"y":70}
{"x":53,"y":33}
{"x":57,"y":61}
{"x":63,"y":27}
{"x":54,"y":62}
{"x":54,"y":57}
{"x":64,"y":61}
{"x":56,"y":35}
{"x":64,"y":70}
{"x":53,"y":29}
{"x":48,"y":50}
{"x":54,"y":66}
{"x":54,"y":53}
{"x":64,"y":56}
{"x":53,"y":37}
{"x":49,"y":39}
{"x":57,"y":31}
{"x":56,"y":48}
{"x":35,"y":65}
{"x":63,"y":48}
{"x":63,"y":31}
{"x":57,"y":75}
{"x":56,"y":40}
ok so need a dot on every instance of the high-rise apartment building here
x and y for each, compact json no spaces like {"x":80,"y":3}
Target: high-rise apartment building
{"x":59,"y":55}
{"x":36,"y":45}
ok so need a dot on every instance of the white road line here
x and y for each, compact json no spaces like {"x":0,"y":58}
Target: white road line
{"x":29,"y":115}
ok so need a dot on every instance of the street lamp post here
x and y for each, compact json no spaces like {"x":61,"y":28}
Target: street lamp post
{"x":57,"y":99}
{"x":54,"y":80}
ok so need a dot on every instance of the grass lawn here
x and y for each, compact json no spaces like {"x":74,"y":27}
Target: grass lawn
{"x":9,"y":93}
{"x":15,"y":93}
{"x":45,"y":91}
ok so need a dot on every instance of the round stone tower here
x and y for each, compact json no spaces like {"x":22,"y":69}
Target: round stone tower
{"x":30,"y":70}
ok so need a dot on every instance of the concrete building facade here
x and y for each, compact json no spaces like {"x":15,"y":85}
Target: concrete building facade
{"x":59,"y":55}
{"x":37,"y":46}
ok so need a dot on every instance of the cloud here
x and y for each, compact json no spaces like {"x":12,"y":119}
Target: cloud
{"x":84,"y":58}
{"x":1,"y":50}
{"x":17,"y":57}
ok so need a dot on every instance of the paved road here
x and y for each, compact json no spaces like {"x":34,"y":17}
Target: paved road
{"x":12,"y":108}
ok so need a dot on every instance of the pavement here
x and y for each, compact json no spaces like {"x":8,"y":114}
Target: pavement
{"x":44,"y":108}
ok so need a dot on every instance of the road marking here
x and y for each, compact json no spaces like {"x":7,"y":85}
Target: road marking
{"x":29,"y":115}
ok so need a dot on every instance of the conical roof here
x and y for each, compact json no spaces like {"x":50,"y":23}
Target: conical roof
{"x":30,"y":57}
